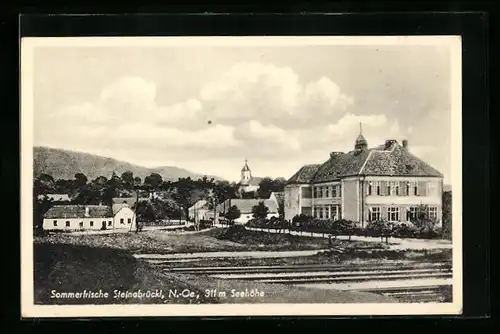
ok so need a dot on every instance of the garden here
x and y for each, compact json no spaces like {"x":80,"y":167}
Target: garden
{"x":425,"y":228}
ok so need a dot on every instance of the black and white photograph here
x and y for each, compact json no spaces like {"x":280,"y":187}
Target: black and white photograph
{"x":186,"y":176}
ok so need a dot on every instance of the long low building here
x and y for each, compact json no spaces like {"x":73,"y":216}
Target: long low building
{"x":89,"y":217}
{"x":246,"y":205}
{"x":384,"y":182}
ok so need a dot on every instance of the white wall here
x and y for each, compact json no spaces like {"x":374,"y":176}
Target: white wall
{"x":75,"y":223}
{"x":127,"y":215}
{"x":245,"y":217}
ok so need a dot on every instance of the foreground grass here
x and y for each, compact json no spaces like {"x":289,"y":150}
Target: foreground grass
{"x":64,"y":268}
{"x":218,"y":239}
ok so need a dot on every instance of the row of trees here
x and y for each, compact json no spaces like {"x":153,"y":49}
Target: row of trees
{"x":173,"y":202}
{"x":423,"y":226}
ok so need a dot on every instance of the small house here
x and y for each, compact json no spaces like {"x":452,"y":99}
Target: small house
{"x":89,"y":217}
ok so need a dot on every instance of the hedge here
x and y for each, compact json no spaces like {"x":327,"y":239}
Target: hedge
{"x":381,"y":228}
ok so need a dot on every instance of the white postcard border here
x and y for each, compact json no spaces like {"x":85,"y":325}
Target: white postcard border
{"x":30,"y":310}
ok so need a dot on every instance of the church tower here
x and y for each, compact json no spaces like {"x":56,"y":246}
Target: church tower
{"x":361,"y":143}
{"x":246,"y":174}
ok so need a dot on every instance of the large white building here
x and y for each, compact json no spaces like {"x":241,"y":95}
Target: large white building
{"x":384,"y":182}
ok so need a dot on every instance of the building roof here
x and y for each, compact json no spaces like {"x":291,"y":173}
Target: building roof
{"x":280,"y":197}
{"x":56,"y":197}
{"x":390,"y":159}
{"x":128,"y":200}
{"x":78,"y":211}
{"x":245,"y":205}
{"x":117,"y":207}
{"x":245,"y":167}
{"x":304,"y":174}
{"x":201,"y":204}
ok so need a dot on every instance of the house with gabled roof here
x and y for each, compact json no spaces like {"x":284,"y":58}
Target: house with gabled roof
{"x":246,"y":205}
{"x":119,"y":217}
{"x":366,"y":184}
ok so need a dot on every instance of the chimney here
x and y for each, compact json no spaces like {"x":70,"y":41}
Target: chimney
{"x":334,"y":154}
{"x":389,"y":143}
{"x":87,"y":211}
{"x":405,"y":144}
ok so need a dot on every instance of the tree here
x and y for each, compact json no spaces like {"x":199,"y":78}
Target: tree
{"x":380,"y":228}
{"x":153,"y":181}
{"x":447,"y":215}
{"x":137,"y":181}
{"x":40,"y":207}
{"x":424,"y":223}
{"x":145,"y":212}
{"x":128,"y":180}
{"x":80,"y":180}
{"x":260,"y":211}
{"x":233,"y":213}
{"x":45,"y":184}
{"x":268,"y":185}
{"x":183,"y":195}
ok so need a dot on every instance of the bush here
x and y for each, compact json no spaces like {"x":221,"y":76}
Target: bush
{"x":405,"y":230}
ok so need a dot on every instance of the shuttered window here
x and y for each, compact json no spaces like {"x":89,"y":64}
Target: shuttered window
{"x":422,"y":188}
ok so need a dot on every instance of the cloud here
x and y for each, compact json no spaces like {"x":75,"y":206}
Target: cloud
{"x":250,"y":109}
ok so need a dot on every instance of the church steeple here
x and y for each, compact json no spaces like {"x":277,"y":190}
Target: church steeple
{"x":361,"y":143}
{"x":246,"y":174}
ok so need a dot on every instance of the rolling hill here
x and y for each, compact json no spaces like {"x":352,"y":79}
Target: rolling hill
{"x":64,"y":164}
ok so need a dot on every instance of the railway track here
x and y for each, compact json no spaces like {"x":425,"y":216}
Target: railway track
{"x":417,"y":283}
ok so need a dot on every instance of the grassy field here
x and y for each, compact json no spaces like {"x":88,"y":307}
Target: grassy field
{"x":65,"y":268}
{"x":218,"y":239}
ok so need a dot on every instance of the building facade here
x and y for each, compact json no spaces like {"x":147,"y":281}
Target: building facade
{"x":246,"y":205}
{"x":385,"y":182}
{"x":89,"y":217}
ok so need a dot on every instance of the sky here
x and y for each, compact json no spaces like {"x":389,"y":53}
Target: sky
{"x":208,"y":108}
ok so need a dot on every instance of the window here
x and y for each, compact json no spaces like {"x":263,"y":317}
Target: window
{"x":393,"y":213}
{"x":320,"y":212}
{"x":431,"y":188}
{"x":122,"y":221}
{"x":377,"y":188}
{"x":55,"y":222}
{"x":67,"y":223}
{"x":334,"y":191}
{"x":389,"y":189}
{"x":110,"y":223}
{"x":327,"y":192}
{"x":408,"y":187}
{"x":411,"y":214}
{"x":433,"y":212}
{"x":369,"y":191}
{"x":129,"y":220}
{"x":374,"y":214}
{"x":334,"y":212}
{"x":91,"y":223}
{"x":415,"y":189}
{"x":317,"y":192}
{"x":396,"y":188}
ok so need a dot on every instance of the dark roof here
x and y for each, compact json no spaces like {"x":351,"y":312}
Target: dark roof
{"x":397,"y":161}
{"x":304,"y":174}
{"x":341,"y":164}
{"x":245,"y":168}
{"x":130,"y":201}
{"x":390,"y":159}
{"x":246,"y":205}
{"x":78,"y":211}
